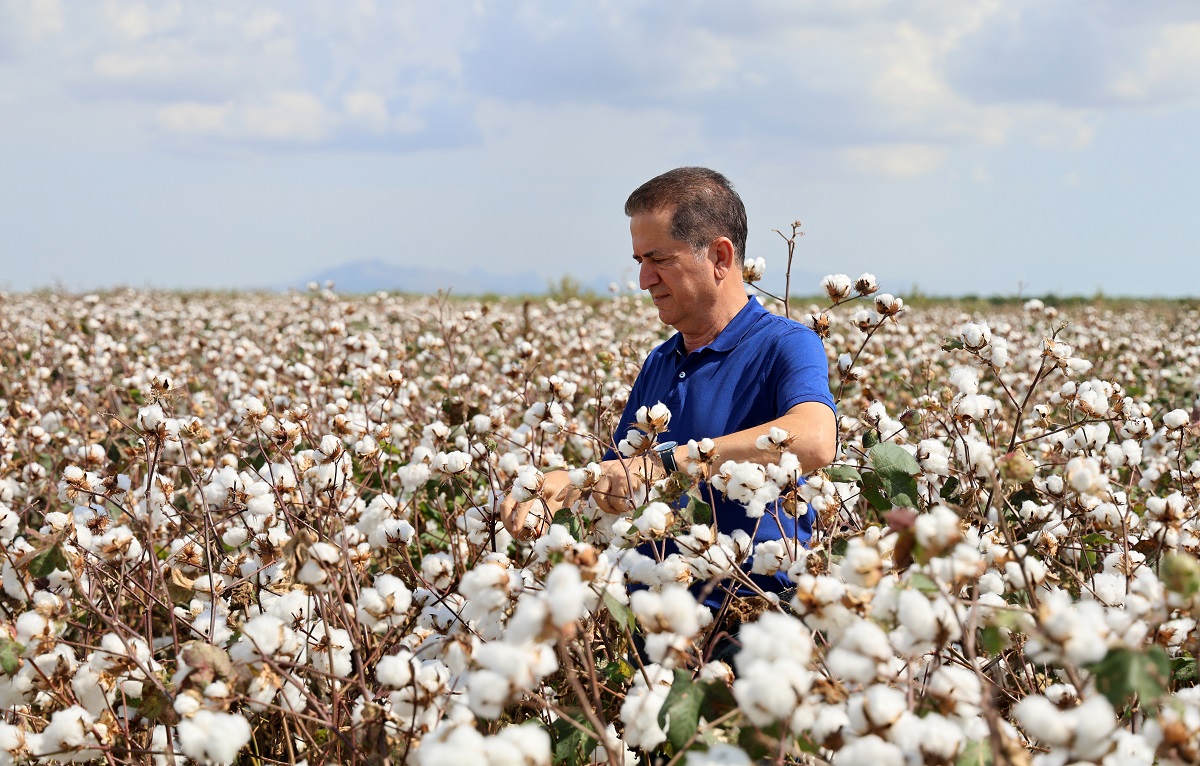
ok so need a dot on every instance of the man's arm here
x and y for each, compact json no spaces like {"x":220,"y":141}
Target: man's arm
{"x":811,"y":425}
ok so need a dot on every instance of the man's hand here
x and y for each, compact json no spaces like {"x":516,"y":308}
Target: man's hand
{"x":618,"y":483}
{"x":614,"y":493}
{"x":532,"y":518}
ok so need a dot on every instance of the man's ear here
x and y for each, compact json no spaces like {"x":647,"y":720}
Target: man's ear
{"x":722,"y":255}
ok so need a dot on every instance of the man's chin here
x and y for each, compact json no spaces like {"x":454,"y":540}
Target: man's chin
{"x":664,"y":315}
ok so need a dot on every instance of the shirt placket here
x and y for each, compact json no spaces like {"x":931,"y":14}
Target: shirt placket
{"x":677,"y":397}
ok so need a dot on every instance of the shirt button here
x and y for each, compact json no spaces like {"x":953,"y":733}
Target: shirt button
{"x":682,"y":374}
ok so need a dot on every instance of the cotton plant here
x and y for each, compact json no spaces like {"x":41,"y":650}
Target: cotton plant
{"x":282,"y":517}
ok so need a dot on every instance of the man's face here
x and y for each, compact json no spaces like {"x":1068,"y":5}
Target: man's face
{"x":682,"y":287}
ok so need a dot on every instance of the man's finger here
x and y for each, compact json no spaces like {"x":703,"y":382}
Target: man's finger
{"x":512,"y":515}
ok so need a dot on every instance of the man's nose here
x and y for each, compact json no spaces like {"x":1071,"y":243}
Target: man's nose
{"x":647,"y":275}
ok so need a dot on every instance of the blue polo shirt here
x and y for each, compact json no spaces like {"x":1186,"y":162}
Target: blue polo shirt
{"x":759,"y":367}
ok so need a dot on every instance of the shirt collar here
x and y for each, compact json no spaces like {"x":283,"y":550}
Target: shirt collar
{"x":731,"y":334}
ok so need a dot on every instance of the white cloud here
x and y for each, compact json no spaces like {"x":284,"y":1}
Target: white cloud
{"x":854,"y":76}
{"x":1169,"y":70}
{"x":41,"y":18}
{"x":287,"y":117}
{"x":191,"y":118}
{"x":895,"y":161}
{"x":367,"y":108}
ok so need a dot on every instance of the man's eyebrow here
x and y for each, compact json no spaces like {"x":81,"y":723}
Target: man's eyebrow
{"x":647,"y":254}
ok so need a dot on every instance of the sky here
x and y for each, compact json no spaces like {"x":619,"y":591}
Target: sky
{"x":950,"y":147}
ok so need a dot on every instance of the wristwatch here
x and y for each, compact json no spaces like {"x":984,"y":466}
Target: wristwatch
{"x":666,"y":455}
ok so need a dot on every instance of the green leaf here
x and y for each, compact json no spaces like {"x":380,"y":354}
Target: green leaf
{"x":951,"y":344}
{"x":718,"y":699}
{"x":10,"y":656}
{"x":1183,"y":671}
{"x":697,"y":511}
{"x":157,"y":706}
{"x":923,"y":583}
{"x":621,"y":613}
{"x":1180,"y":573}
{"x":619,"y":671}
{"x":977,"y":753}
{"x":992,"y":639}
{"x":870,"y":439}
{"x":1018,"y":498}
{"x":889,"y":459}
{"x":759,"y":744}
{"x":872,"y":490}
{"x":896,"y":470}
{"x":47,"y":561}
{"x":949,"y":489}
{"x":843,"y":473}
{"x":1124,"y":674}
{"x":572,"y":746}
{"x":565,"y":517}
{"x":680,"y":712}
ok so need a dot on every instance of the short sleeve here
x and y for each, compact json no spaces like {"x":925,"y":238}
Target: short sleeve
{"x":801,"y":370}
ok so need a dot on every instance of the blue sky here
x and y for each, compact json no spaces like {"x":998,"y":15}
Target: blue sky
{"x":955,"y":146}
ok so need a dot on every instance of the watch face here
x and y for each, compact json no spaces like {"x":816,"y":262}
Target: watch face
{"x":666,"y":453}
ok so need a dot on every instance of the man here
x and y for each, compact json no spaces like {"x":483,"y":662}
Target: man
{"x":731,"y":372}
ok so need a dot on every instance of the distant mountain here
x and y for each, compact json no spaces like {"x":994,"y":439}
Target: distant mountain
{"x":369,"y":276}
{"x":374,"y":275}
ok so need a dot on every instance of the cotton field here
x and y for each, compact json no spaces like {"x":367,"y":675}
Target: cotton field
{"x":263,"y":528}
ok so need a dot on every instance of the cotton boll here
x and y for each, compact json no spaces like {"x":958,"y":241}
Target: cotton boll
{"x":719,"y":754}
{"x":753,"y":270}
{"x":851,"y":666}
{"x":523,"y":745}
{"x":769,"y":557}
{"x":837,"y":287}
{"x":265,"y":633}
{"x":769,"y":691}
{"x":881,"y":706}
{"x":966,"y":380}
{"x":71,"y":729}
{"x":395,"y":670}
{"x":866,"y":284}
{"x":566,"y":594}
{"x":862,"y":565}
{"x":959,"y":689}
{"x":1093,"y":722}
{"x":938,"y":529}
{"x":643,"y":701}
{"x":975,"y":335}
{"x":939,"y":738}
{"x":916,"y":614}
{"x":1176,"y":419}
{"x":452,"y":745}
{"x":438,"y":570}
{"x":829,"y":725}
{"x":673,"y":609}
{"x":1084,"y":474}
{"x":329,"y":650}
{"x":870,"y":751}
{"x":654,"y":520}
{"x":487,"y":692}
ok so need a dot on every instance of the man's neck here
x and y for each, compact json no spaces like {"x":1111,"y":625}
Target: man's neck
{"x":713,"y":323}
